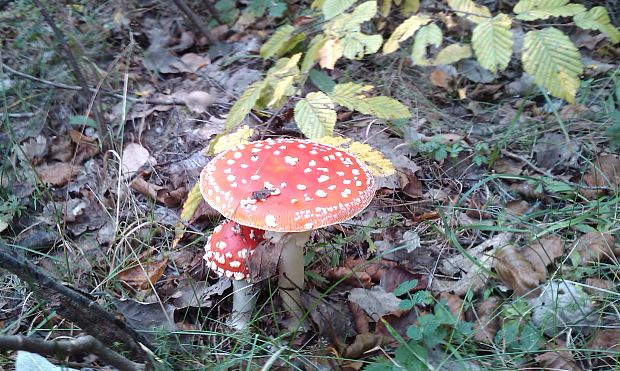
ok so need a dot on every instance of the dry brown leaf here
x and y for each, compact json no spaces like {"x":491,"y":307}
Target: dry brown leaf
{"x":606,"y":339}
{"x":394,"y":276}
{"x":134,"y":157}
{"x":145,"y":188}
{"x":440,"y":78}
{"x":518,"y":207}
{"x":360,"y":318}
{"x":409,"y":183}
{"x":57,"y":173}
{"x":348,"y":276}
{"x":516,"y":272}
{"x":375,"y":269}
{"x":198,"y":101}
{"x":61,"y":149}
{"x":485,"y":319}
{"x":142,"y":276}
{"x":364,"y":343}
{"x":554,"y":359}
{"x":594,"y":247}
{"x":455,"y":304}
{"x":542,"y":252}
{"x":605,"y":172}
{"x":597,"y":283}
{"x":472,"y":276}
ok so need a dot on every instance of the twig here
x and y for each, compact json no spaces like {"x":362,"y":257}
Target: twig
{"x":60,"y":348}
{"x":196,"y":22}
{"x":72,"y":61}
{"x":213,"y":12}
{"x":18,"y":115}
{"x":75,"y":307}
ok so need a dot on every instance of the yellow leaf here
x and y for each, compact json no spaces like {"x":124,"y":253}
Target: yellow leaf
{"x":410,"y":7}
{"x":427,"y":35}
{"x":315,"y":115}
{"x":191,"y":204}
{"x":226,"y":141}
{"x":385,"y":7}
{"x":452,"y":53}
{"x":492,"y":42}
{"x":376,"y":162}
{"x":329,"y":53}
{"x":597,"y":19}
{"x":281,"y":88}
{"x":470,"y":10}
{"x":404,"y":31}
{"x":357,"y":44}
{"x":276,"y":41}
{"x":530,"y":10}
{"x":313,"y":53}
{"x":244,"y":104}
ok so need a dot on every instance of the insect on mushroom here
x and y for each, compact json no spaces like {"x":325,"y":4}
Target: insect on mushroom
{"x":303,"y":186}
{"x":227,"y":252}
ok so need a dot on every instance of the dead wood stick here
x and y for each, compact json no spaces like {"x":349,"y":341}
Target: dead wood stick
{"x":60,"y":348}
{"x":194,"y":20}
{"x":76,"y":307}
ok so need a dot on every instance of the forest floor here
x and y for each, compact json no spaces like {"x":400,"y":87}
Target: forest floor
{"x":493,"y":246}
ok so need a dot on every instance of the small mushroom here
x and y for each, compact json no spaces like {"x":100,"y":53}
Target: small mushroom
{"x":227,"y":252}
{"x":287,"y":187}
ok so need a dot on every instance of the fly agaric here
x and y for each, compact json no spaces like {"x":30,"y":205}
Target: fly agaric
{"x":227,"y":252}
{"x":287,"y":187}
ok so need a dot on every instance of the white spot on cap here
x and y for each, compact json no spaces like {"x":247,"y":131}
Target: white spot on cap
{"x":301,"y":187}
{"x":307,"y":170}
{"x":242,"y":254}
{"x":244,"y":166}
{"x":256,"y":150}
{"x":276,"y":152}
{"x":314,"y":152}
{"x":323,"y":178}
{"x":228,"y":254}
{"x":255,"y":177}
{"x":230,"y":162}
{"x":228,"y":171}
{"x":346,"y":181}
{"x":308,"y":226}
{"x":237,"y":155}
{"x":293,"y":200}
{"x":270,"y":221}
{"x":231,"y":178}
{"x":239,"y":276}
{"x":229,"y":273}
{"x":355,"y":172}
{"x":233,"y":185}
{"x":332,"y":187}
{"x":254,"y":158}
{"x":291,"y":160}
{"x":340,"y":173}
{"x":312,"y":163}
{"x":345,"y":193}
{"x":282,"y":185}
{"x":358,"y":183}
{"x":235,"y":264}
{"x":301,"y":145}
{"x":320,"y":193}
{"x":323,"y":169}
{"x":282,"y":147}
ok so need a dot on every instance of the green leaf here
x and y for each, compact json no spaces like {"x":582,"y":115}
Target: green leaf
{"x":357,"y":44}
{"x":409,"y":7}
{"x":349,"y":94}
{"x":332,"y":8}
{"x":347,"y":23}
{"x":597,"y":19}
{"x":405,"y":287}
{"x":321,"y":80}
{"x":531,"y":10}
{"x":244,"y":105}
{"x":364,"y":12}
{"x":386,"y":108}
{"x":492,"y":42}
{"x":553,"y":60}
{"x":404,"y":31}
{"x":427,"y":35}
{"x":82,"y":120}
{"x":452,"y":54}
{"x":470,"y":10}
{"x":315,"y":115}
{"x":276,"y":41}
{"x":312,"y":54}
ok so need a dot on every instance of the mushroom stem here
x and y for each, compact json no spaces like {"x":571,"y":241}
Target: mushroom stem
{"x":291,"y":268}
{"x":244,"y":302}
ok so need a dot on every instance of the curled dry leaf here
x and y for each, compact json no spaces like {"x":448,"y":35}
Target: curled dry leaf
{"x":364,"y":343}
{"x":594,"y":247}
{"x":360,"y":319}
{"x":134,"y":157}
{"x":142,"y":276}
{"x":409,"y":183}
{"x":376,"y":302}
{"x":517,"y":207}
{"x":516,"y":271}
{"x":605,"y":172}
{"x":542,"y":252}
{"x":198,"y":101}
{"x":375,"y":269}
{"x":394,"y":276}
{"x":57,"y":173}
{"x":485,"y":319}
{"x":348,"y":276}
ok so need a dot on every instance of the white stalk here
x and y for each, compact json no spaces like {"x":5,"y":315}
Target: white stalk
{"x":244,"y":301}
{"x":291,"y":269}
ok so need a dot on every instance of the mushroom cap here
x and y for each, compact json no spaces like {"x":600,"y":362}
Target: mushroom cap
{"x":287,"y":185}
{"x":229,"y":247}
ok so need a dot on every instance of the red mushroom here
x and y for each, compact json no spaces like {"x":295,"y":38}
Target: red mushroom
{"x":285,"y":186}
{"x":227,"y":252}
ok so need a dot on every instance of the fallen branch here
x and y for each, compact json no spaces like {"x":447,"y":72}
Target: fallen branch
{"x":60,"y":348}
{"x":75,"y":306}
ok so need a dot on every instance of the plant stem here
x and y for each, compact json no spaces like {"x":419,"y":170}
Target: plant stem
{"x":244,"y":302}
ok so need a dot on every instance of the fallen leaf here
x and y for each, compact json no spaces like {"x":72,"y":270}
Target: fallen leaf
{"x":329,"y":53}
{"x":198,"y":294}
{"x":332,"y":317}
{"x":199,"y":101}
{"x":61,"y":149}
{"x":360,"y":319}
{"x":555,"y":359}
{"x":594,"y":247}
{"x":134,"y":157}
{"x":147,"y":316}
{"x":33,"y":148}
{"x":57,"y":173}
{"x":409,"y":183}
{"x":145,"y":188}
{"x":597,"y":287}
{"x":553,"y":153}
{"x":443,"y":77}
{"x":142,"y":276}
{"x":485,"y":319}
{"x":607,"y":340}
{"x":191,"y":62}
{"x":473,"y":275}
{"x":376,"y":302}
{"x":516,"y":272}
{"x":364,"y":343}
{"x":348,"y":276}
{"x":605,"y":172}
{"x":543,"y":252}
{"x":517,"y":207}
{"x":455,"y":304}
{"x":374,"y":268}
{"x":393,"y":277}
